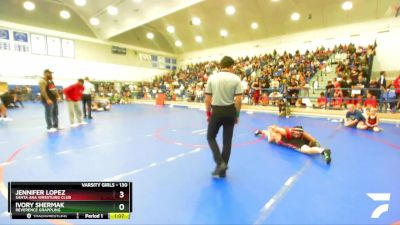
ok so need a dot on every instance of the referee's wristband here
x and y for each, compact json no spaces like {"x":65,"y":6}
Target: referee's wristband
{"x":237,"y":114}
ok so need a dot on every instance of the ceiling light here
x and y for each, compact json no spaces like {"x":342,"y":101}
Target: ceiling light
{"x":65,"y":14}
{"x":199,"y":39}
{"x":230,"y":10}
{"x":196,"y":21}
{"x":295,"y":16}
{"x":29,"y":5}
{"x":254,"y":25}
{"x":80,"y":2}
{"x":170,"y":29}
{"x":94,"y":21}
{"x":112,"y":10}
{"x":137,"y":1}
{"x":223,"y":33}
{"x":275,"y":0}
{"x":150,"y":35}
{"x":178,"y":43}
{"x":347,"y":5}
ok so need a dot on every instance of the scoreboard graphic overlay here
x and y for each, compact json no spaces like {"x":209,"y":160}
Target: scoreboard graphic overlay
{"x":70,"y":200}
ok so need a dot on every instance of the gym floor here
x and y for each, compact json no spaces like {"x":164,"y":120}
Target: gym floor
{"x":164,"y":152}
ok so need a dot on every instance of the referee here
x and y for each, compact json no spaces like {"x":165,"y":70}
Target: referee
{"x":87,"y":98}
{"x":223,"y":102}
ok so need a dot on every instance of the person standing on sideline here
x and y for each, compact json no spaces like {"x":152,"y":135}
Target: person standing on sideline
{"x":223,"y":102}
{"x":73,"y":95}
{"x":3,"y":111}
{"x":49,"y":96}
{"x":87,"y":98}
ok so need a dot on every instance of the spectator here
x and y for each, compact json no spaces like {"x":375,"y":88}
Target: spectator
{"x":275,"y":96}
{"x":87,"y":98}
{"x":370,"y":102}
{"x":330,"y":88}
{"x":256,"y":88}
{"x":264,"y":99}
{"x":372,"y":121}
{"x":101,"y":105}
{"x":3,"y":111}
{"x":73,"y":96}
{"x":49,"y":96}
{"x":354,"y":118}
{"x":374,"y":88}
{"x":337,"y":101}
{"x":283,"y":107}
{"x":382,"y":80}
{"x":322,"y":101}
{"x":315,"y":86}
{"x":396,"y":84}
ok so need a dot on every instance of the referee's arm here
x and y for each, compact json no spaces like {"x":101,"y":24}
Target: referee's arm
{"x":238,"y":98}
{"x":238,"y":102}
{"x":208,"y":99}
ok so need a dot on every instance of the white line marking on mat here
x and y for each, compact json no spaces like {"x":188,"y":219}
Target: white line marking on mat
{"x":197,"y":131}
{"x":170,"y":159}
{"x":7,"y":163}
{"x":270,"y":205}
{"x":195,"y":150}
{"x":38,"y":157}
{"x":154,"y":164}
{"x":64,"y":152}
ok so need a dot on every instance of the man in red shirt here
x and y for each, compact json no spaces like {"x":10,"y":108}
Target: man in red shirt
{"x":73,"y":95}
{"x":396,"y":84}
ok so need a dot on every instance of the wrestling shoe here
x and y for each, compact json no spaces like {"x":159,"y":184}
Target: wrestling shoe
{"x":257,"y":132}
{"x":74,"y":125}
{"x":327,"y":156}
{"x":223,"y":173}
{"x":220,"y":170}
{"x":51,"y":130}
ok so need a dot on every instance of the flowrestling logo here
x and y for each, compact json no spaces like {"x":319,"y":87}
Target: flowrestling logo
{"x":380,"y":197}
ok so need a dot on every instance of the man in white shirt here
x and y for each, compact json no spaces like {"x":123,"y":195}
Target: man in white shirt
{"x":223,"y":103}
{"x":87,"y":98}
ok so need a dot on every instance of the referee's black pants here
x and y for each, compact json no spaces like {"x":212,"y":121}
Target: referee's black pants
{"x":224,"y":116}
{"x":87,"y":102}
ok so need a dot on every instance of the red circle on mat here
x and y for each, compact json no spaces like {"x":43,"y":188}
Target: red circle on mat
{"x":396,"y":223}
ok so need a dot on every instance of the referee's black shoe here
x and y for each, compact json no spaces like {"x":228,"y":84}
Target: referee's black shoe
{"x":223,"y":173}
{"x":220,"y":171}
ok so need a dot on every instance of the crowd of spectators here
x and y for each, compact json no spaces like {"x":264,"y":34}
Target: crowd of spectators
{"x":353,"y":83}
{"x":265,"y":79}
